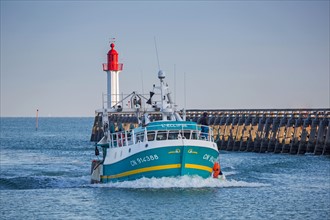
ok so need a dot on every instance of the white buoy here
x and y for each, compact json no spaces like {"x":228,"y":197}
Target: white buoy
{"x":37,"y":120}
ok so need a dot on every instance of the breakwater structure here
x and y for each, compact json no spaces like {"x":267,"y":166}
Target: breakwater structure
{"x":291,"y":131}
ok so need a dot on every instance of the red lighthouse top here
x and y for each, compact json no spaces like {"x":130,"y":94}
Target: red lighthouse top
{"x":112,"y":64}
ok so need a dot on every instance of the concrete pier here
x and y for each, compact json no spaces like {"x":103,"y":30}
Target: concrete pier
{"x":291,"y":131}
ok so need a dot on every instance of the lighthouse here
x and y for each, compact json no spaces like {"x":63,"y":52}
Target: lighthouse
{"x":112,"y":68}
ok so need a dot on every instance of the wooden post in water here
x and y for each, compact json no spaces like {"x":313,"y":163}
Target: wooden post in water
{"x":266,"y":134}
{"x":232,"y":133}
{"x":298,"y":127}
{"x":321,"y":135}
{"x":215,"y":128}
{"x":222,"y":127}
{"x":305,"y":135}
{"x":273,"y":134}
{"x":288,"y":135}
{"x":259,"y":134}
{"x":37,"y":120}
{"x":253,"y":134}
{"x":226,"y":135}
{"x":240,"y":128}
{"x":313,"y":135}
{"x":326,"y":150}
{"x":280,"y":134}
{"x":246,"y":133}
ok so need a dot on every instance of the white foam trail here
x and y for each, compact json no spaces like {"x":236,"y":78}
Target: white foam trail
{"x":230,"y":173}
{"x":180,"y":182}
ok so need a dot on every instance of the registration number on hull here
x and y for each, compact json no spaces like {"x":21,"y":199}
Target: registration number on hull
{"x":146,"y":159}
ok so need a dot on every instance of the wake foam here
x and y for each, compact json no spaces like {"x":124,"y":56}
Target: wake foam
{"x":180,"y":182}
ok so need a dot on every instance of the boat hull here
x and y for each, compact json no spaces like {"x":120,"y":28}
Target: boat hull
{"x":159,"y":162}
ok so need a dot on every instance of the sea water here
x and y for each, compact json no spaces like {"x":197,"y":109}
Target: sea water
{"x":45,"y":174}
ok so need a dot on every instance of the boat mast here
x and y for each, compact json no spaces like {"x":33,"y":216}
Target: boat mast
{"x":166,"y":104}
{"x":161,"y":77}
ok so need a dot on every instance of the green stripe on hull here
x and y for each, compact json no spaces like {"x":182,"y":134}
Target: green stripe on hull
{"x":163,"y":162}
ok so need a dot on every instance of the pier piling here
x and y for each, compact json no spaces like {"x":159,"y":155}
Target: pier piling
{"x":266,"y":135}
{"x":298,"y":127}
{"x":326,"y":150}
{"x":321,"y":135}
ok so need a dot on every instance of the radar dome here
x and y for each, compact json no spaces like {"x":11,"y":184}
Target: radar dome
{"x":161,"y":74}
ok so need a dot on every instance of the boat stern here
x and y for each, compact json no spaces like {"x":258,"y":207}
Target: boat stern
{"x":96,"y":171}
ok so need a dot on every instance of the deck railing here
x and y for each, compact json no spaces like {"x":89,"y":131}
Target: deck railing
{"x":126,"y":138}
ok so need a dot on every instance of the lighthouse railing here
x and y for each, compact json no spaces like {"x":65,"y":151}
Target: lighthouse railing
{"x":112,"y":67}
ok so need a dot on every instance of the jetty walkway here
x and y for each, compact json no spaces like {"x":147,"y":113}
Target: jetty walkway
{"x":292,"y":131}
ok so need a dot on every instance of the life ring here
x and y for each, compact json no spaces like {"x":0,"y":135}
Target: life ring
{"x":216,"y":170}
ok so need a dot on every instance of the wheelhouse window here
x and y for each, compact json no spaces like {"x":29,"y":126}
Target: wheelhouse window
{"x":172,"y":135}
{"x":161,"y":135}
{"x":194,"y":135}
{"x":186,"y":134}
{"x":151,"y":135}
{"x":139,"y":137}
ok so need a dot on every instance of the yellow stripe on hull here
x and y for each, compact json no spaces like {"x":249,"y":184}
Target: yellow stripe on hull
{"x":199,"y":167}
{"x":142,"y":170}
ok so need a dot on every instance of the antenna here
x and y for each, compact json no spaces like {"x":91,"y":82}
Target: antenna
{"x":184,"y":87}
{"x":157,"y":53}
{"x":112,"y":40}
{"x":142,"y":82}
{"x":174,"y":83}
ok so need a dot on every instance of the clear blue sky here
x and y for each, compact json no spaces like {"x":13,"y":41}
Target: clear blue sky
{"x":236,"y":54}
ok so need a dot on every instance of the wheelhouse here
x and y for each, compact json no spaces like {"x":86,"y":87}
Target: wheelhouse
{"x":161,"y":131}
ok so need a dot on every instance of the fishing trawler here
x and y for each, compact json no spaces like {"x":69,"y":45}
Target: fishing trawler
{"x":159,"y":143}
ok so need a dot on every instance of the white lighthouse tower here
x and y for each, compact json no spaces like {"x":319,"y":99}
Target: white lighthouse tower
{"x":113,"y":68}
